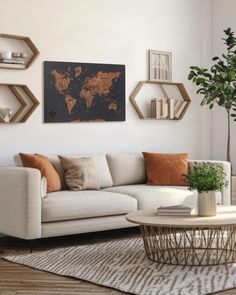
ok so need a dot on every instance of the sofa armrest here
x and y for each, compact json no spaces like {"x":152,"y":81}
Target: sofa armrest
{"x":20,"y":202}
{"x":225,"y":192}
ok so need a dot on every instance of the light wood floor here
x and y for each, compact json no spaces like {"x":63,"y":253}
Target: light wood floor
{"x":20,"y":280}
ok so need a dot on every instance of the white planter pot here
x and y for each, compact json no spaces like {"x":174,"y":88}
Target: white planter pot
{"x":207,"y":203}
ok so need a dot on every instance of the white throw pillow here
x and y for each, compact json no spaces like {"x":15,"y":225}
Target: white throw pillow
{"x":127,"y":168}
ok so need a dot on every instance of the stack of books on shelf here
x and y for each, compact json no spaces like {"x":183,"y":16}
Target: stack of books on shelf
{"x":15,"y":60}
{"x":167,"y":108}
{"x":175,"y":210}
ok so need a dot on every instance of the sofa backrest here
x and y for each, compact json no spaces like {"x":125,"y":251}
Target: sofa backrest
{"x":103,"y":172}
{"x":127,"y":168}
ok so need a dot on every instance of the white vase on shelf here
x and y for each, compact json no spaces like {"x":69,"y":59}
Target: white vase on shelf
{"x":6,"y":54}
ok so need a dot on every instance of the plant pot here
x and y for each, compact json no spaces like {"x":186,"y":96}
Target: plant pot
{"x":207,"y":203}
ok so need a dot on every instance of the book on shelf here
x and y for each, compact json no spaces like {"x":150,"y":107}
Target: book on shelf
{"x":180,"y":110}
{"x":10,"y":65}
{"x":164,"y":108}
{"x":12,"y":60}
{"x":153,"y":108}
{"x":172,"y":102}
{"x":177,"y":105}
{"x":158,"y":108}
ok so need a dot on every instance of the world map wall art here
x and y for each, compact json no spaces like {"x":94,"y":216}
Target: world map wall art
{"x":83,"y":92}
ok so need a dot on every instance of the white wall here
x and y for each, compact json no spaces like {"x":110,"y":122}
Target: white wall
{"x":223,"y":16}
{"x":110,"y":31}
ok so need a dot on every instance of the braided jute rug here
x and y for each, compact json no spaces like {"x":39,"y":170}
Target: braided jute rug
{"x":123,"y":265}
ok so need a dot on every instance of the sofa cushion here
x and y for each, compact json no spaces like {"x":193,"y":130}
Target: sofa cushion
{"x":68,"y":205}
{"x":46,"y":168}
{"x":166,"y":169}
{"x":103,"y":172}
{"x":127,"y":168}
{"x":151,"y":197}
{"x":80,"y":173}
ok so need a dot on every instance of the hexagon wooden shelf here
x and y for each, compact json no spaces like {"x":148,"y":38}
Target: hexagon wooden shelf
{"x":27,"y":101}
{"x":30,"y":45}
{"x":183,"y":93}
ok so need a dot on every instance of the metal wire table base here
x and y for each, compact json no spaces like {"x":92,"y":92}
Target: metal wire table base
{"x":190,"y":246}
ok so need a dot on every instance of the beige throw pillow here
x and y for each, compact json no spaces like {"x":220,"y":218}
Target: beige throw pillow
{"x":80,"y":173}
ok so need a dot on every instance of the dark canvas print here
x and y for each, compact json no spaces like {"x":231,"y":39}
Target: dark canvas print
{"x":83,"y":92}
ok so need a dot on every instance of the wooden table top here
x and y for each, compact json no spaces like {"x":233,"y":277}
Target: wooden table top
{"x":226,"y":215}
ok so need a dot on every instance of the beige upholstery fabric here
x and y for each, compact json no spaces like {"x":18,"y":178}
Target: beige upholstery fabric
{"x":103,"y":172}
{"x":43,"y":183}
{"x":127,"y":168}
{"x":151,"y":197}
{"x":225,"y":192}
{"x":20,"y":202}
{"x":43,"y":186}
{"x":80,"y":173}
{"x":65,"y":205}
{"x":70,"y":227}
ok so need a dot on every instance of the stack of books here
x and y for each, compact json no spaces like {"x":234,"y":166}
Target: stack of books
{"x":167,"y":108}
{"x":13,"y":60}
{"x":175,"y":210}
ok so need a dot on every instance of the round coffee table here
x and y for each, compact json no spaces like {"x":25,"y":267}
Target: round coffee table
{"x":188,"y":240}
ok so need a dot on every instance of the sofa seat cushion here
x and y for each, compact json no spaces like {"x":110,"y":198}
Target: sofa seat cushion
{"x":151,"y":197}
{"x":68,"y":205}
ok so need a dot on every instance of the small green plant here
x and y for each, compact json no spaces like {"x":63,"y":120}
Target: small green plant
{"x":206,"y":176}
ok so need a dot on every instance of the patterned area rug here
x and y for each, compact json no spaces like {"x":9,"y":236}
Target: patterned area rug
{"x":123,"y":265}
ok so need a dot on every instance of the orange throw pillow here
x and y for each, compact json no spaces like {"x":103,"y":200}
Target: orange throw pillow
{"x":46,"y":168}
{"x":166,"y":169}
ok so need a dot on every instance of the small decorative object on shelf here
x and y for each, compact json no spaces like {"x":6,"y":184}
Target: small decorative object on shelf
{"x":6,"y":114}
{"x":160,"y":65}
{"x":23,"y":98}
{"x":14,"y":59}
{"x":165,"y":107}
{"x":207,"y":178}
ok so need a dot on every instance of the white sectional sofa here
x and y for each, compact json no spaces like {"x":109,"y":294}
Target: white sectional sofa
{"x":25,"y":212}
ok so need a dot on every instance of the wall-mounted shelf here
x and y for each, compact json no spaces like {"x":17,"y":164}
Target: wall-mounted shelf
{"x":26,"y":42}
{"x":25,"y":100}
{"x":173,"y":94}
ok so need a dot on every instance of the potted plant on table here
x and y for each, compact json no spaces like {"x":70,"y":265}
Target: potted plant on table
{"x":207,"y":178}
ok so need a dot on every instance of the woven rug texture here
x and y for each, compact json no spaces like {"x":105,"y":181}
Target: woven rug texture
{"x":123,"y":265}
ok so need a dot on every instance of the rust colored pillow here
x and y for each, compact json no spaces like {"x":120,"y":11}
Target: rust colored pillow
{"x":46,"y":168}
{"x":166,"y":169}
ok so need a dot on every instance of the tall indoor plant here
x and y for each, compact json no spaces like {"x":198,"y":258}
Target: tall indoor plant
{"x":218,"y":84}
{"x":207,"y":178}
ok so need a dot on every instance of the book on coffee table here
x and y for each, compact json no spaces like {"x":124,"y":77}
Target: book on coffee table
{"x":175,"y":210}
